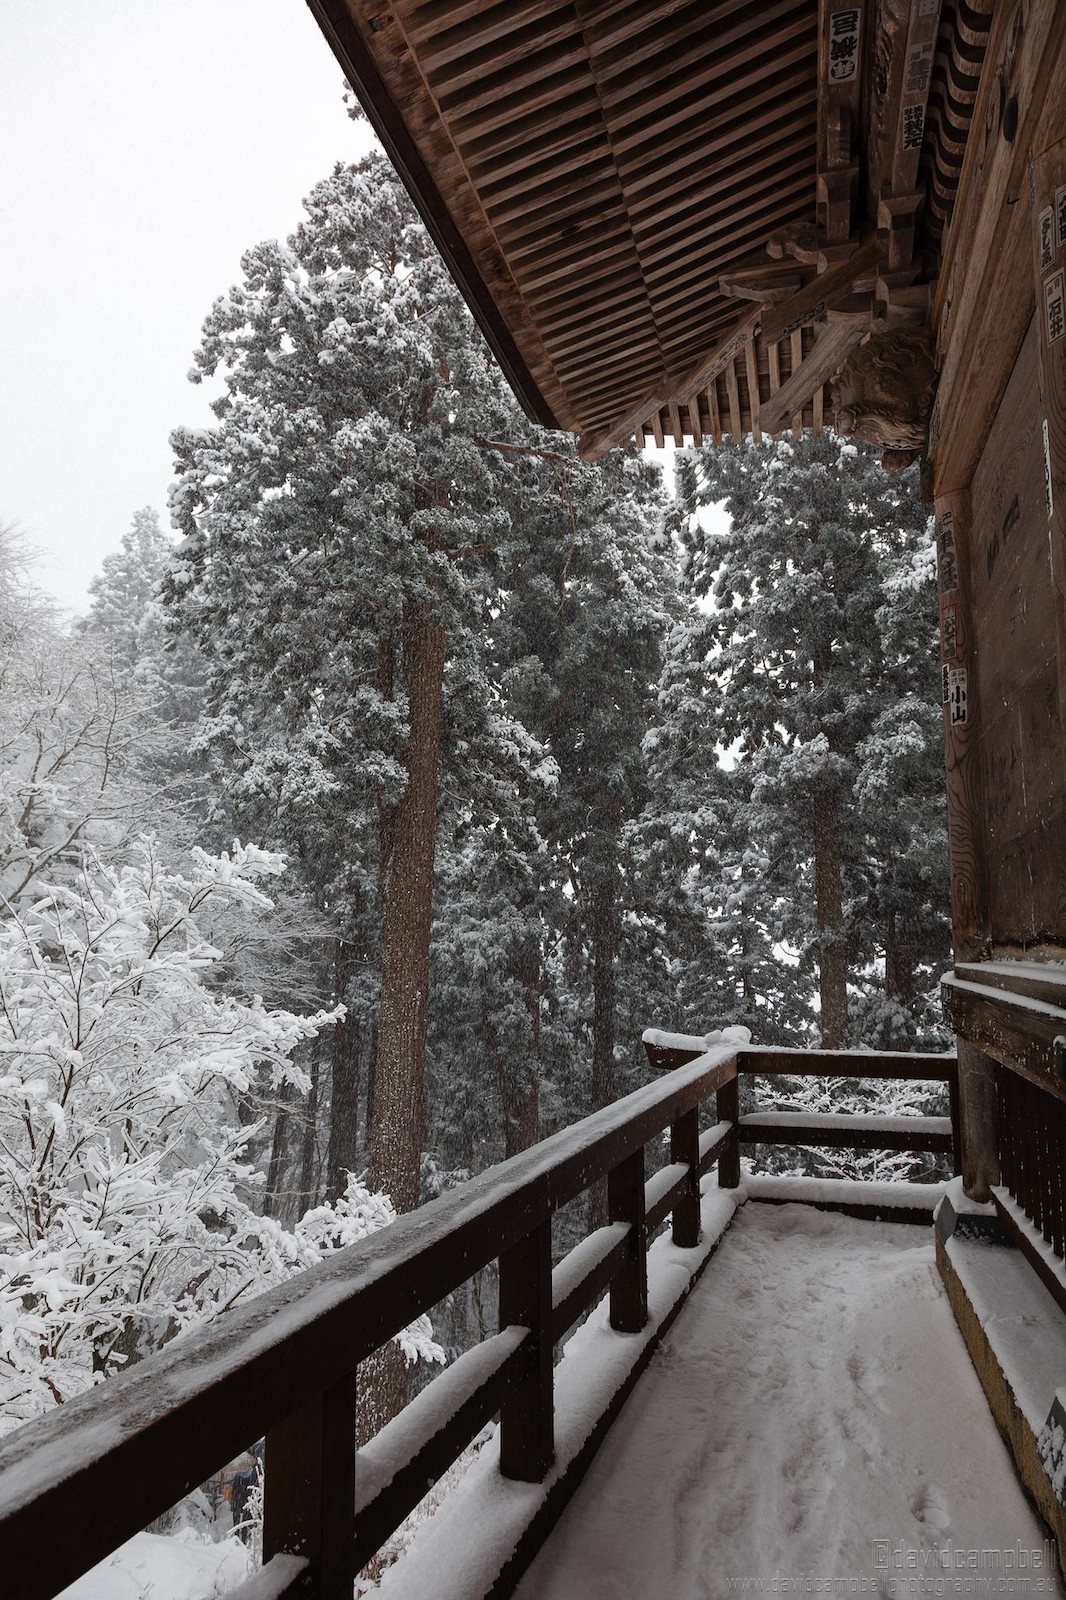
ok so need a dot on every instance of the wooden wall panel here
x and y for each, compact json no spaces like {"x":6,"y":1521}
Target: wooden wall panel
{"x":1021,"y":729}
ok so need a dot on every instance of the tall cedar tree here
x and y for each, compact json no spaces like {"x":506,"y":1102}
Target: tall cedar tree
{"x":532,"y":953}
{"x":335,"y":525}
{"x":819,"y":647}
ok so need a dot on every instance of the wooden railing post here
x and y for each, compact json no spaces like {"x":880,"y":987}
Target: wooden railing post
{"x":955,"y":1108}
{"x":685,"y":1146}
{"x":527,"y":1416}
{"x":977,"y":1119}
{"x":728,"y":1103}
{"x":625,"y":1203}
{"x":309,"y":1490}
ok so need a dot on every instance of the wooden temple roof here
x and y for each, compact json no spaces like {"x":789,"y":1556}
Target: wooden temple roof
{"x":643,"y":203}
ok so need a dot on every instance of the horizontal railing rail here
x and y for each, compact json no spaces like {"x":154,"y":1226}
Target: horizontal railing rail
{"x":77,"y":1483}
{"x":835,"y":1130}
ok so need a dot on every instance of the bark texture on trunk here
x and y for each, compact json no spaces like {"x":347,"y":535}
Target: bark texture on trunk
{"x":278,"y":1148}
{"x":519,"y":1084}
{"x":407,"y":910}
{"x":345,"y":1061}
{"x":308,"y":1185}
{"x":829,"y":900}
{"x":899,"y":963}
{"x":604,"y":930}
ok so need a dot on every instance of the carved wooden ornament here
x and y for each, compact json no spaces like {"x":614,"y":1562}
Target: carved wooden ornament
{"x":884,"y":392}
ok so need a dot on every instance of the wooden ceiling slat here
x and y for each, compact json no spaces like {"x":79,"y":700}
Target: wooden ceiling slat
{"x":607,"y":28}
{"x":704,"y":46}
{"x":579,"y":206}
{"x":678,"y":92}
{"x":674,"y":266}
{"x":505,"y":151}
{"x":646,"y":129}
{"x":540,"y":78}
{"x":549,"y":263}
{"x":426,"y":22}
{"x":758,"y":199}
{"x":515,"y":70}
{"x":485,"y":29}
{"x":505,"y":202}
{"x":732,"y":153}
{"x":564,"y":314}
{"x":659,"y":159}
{"x":497,"y":111}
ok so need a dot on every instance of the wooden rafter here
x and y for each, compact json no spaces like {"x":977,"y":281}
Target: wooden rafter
{"x":841,"y":334}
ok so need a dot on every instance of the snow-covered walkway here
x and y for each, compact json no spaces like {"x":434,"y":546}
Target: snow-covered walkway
{"x":813,"y":1414}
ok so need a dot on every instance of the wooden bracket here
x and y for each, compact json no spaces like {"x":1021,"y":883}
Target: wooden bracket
{"x":824,"y":292}
{"x":897,"y":219}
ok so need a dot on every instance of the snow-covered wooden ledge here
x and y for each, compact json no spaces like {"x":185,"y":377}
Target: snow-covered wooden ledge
{"x":285,"y":1367}
{"x":1013,"y":1326}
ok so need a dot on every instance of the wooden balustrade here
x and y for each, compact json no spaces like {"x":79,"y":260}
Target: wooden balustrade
{"x":77,"y":1483}
{"x":1031,"y":1127}
{"x":850,"y":1131}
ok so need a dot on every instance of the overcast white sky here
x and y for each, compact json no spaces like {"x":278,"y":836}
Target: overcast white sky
{"x":144,"y":146}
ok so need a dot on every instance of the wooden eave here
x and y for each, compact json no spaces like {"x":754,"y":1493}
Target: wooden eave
{"x":604,"y":178}
{"x":588,"y":171}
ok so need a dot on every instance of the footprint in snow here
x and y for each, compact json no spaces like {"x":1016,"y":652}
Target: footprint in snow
{"x":929,"y":1505}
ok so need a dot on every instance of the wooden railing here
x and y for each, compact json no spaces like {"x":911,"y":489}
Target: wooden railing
{"x":828,"y":1129}
{"x":77,"y":1483}
{"x":1013,"y":1012}
{"x":1031,"y":1129}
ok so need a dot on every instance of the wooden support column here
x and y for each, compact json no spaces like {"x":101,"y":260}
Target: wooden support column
{"x":685,"y":1146}
{"x":969,"y":896}
{"x":1048,"y":195}
{"x":978,"y":1118}
{"x":309,"y":1490}
{"x":969,"y":889}
{"x":625,"y":1203}
{"x":527,"y":1416}
{"x":728,"y":1106}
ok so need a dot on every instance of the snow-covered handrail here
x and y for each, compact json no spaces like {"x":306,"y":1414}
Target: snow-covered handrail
{"x":853,"y":1131}
{"x":106,"y":1463}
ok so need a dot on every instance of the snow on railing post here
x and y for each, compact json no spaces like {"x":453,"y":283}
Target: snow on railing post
{"x":309,"y":1490}
{"x":685,"y":1146}
{"x":527,"y":1416}
{"x":728,"y":1102}
{"x":625,"y":1203}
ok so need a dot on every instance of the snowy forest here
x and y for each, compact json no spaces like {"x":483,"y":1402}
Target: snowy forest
{"x":401,"y":775}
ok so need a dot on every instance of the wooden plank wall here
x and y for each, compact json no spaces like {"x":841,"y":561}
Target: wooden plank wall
{"x":1020,"y":717}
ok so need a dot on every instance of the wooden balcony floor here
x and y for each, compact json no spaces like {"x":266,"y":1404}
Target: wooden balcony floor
{"x":814,"y":1397}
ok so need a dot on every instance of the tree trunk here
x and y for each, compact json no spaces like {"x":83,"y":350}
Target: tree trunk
{"x":407,"y":910}
{"x":899,"y":966}
{"x":308,"y":1191}
{"x":604,"y":928}
{"x":345,"y":1052}
{"x":277,"y":1151}
{"x":829,"y":898}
